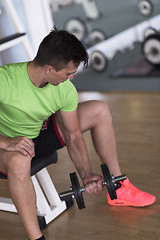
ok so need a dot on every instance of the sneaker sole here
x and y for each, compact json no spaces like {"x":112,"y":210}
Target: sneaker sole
{"x":129,"y":204}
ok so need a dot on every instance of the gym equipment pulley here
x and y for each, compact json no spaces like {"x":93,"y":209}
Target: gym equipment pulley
{"x":83,"y":31}
{"x":145,"y":8}
{"x":96,"y":36}
{"x":77,"y":27}
{"x":98,"y":61}
{"x":151,"y":49}
{"x":150,"y":31}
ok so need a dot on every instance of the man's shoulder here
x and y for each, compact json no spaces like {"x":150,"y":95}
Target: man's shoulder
{"x":12,"y":69}
{"x":12,"y":66}
{"x":67,"y":85}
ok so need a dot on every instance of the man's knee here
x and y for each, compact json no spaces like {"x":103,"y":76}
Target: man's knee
{"x":17,"y":165}
{"x":103,"y":111}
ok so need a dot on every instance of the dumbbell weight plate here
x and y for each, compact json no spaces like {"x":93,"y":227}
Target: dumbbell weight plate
{"x":77,"y":27}
{"x":108,"y":179}
{"x":145,"y":8}
{"x":98,"y":61}
{"x":77,"y":190}
{"x":151,"y":49}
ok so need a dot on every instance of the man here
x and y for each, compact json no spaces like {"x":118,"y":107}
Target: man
{"x":40,"y":89}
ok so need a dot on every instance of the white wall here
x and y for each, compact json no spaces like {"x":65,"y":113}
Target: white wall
{"x":36,"y":18}
{"x":16,"y":53}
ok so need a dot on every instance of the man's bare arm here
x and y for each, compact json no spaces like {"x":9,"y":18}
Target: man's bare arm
{"x":23,"y":145}
{"x":78,"y":152}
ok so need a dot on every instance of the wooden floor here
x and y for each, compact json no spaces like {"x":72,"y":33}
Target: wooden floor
{"x":137,"y":127}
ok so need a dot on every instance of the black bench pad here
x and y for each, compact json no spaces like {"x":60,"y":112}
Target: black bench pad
{"x":38,"y":164}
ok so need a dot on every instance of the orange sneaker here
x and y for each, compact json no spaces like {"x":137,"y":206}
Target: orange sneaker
{"x":129,"y":195}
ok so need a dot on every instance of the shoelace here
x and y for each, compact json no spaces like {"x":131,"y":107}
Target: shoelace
{"x":130,"y":185}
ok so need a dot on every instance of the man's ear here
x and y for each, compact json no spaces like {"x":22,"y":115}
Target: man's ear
{"x":49,"y":69}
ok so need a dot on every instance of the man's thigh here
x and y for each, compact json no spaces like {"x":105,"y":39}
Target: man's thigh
{"x":13,"y":160}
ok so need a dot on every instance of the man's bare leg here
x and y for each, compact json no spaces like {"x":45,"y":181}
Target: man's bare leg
{"x":96,"y":116}
{"x":21,"y":189}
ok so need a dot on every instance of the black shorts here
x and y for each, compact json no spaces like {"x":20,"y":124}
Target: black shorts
{"x":49,"y":139}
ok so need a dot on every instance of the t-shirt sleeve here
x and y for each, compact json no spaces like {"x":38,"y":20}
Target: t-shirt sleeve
{"x":70,"y":97}
{"x":2,"y":83}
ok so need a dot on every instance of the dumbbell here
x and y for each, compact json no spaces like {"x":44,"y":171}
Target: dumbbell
{"x":76,"y":190}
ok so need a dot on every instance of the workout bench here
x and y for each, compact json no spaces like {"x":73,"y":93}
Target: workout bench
{"x":49,"y":204}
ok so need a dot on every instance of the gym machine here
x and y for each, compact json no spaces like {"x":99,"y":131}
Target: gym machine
{"x":83,"y":31}
{"x":147,"y":33}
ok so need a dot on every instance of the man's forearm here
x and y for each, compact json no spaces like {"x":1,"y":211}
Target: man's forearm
{"x":78,"y":154}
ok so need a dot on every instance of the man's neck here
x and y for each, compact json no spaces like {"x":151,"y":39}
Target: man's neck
{"x":36,"y":75}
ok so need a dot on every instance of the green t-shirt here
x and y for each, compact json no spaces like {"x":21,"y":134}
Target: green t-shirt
{"x":24,"y":107}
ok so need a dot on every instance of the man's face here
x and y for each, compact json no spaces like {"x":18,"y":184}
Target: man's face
{"x":56,"y":78}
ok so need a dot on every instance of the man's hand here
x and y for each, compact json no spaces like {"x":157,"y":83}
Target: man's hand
{"x":23,"y":145}
{"x":93,"y":184}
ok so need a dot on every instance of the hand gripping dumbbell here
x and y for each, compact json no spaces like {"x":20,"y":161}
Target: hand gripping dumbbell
{"x":76,"y":190}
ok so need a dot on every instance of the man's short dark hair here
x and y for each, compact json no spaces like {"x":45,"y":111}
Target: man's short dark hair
{"x":60,"y":47}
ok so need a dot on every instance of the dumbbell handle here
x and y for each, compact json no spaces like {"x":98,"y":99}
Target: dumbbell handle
{"x":82,"y":189}
{"x":114,"y":180}
{"x":118,"y":178}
